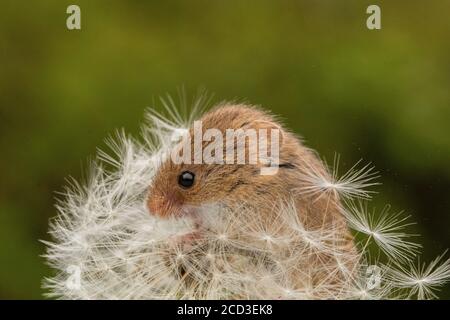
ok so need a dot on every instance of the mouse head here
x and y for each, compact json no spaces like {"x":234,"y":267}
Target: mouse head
{"x":181,"y":187}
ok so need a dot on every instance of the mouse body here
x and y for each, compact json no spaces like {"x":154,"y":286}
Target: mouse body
{"x":234,"y":185}
{"x":313,"y":240}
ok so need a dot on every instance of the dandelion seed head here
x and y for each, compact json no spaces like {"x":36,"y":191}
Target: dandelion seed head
{"x":103,"y":229}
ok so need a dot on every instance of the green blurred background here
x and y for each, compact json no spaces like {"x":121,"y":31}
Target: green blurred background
{"x":383,"y":96}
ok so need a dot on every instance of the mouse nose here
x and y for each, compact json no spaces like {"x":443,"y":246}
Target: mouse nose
{"x":157,"y":206}
{"x":162,"y":206}
{"x":152,"y":206}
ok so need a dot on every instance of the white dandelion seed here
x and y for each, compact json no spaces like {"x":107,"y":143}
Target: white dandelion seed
{"x":385,"y":228}
{"x":122,"y":252}
{"x":420,"y":279}
{"x":351,"y":185}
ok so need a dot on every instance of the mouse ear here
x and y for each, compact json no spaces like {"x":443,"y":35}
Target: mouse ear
{"x":270,"y":140}
{"x":266,"y":125}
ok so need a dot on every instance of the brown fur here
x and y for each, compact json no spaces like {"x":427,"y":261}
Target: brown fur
{"x":238,"y":185}
{"x":235,"y":185}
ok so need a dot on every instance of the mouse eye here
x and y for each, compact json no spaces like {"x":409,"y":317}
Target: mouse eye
{"x":186,"y":179}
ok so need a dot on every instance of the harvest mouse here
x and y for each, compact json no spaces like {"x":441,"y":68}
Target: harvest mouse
{"x":182,"y":188}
